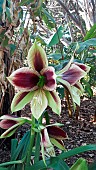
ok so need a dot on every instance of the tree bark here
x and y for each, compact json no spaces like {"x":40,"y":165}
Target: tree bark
{"x":9,"y":90}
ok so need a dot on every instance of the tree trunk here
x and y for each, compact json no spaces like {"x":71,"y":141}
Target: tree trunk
{"x":8,"y":91}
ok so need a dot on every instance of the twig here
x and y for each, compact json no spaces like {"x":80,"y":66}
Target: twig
{"x":71,"y":16}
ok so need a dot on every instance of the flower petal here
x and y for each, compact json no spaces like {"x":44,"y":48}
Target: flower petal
{"x":83,"y":66}
{"x":20,"y":100}
{"x":45,"y":138}
{"x":39,"y":103}
{"x":15,"y":118}
{"x":6,"y":124}
{"x":24,"y":79}
{"x":66,"y":67}
{"x":46,"y":142}
{"x":79,"y":86}
{"x":56,"y":132}
{"x":9,"y":121}
{"x":37,"y":59}
{"x":50,"y":78}
{"x":74,"y":94}
{"x":54,"y":101}
{"x":7,"y":117}
{"x":58,"y":143}
{"x":74,"y":74}
{"x":9,"y":132}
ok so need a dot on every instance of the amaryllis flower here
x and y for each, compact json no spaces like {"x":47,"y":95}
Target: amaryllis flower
{"x":70,"y":77}
{"x":11,"y":123}
{"x":52,"y":135}
{"x":36,"y":84}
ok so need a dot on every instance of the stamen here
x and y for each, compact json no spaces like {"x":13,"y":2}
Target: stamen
{"x":41,"y":81}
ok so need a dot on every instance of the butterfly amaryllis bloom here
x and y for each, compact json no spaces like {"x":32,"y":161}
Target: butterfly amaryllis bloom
{"x":52,"y":135}
{"x":36,"y":84}
{"x":70,"y":77}
{"x":11,"y":123}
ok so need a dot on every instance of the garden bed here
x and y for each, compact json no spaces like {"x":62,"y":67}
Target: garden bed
{"x":80,"y":132}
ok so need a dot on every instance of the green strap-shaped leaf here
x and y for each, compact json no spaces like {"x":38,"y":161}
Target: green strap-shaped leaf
{"x":11,"y":163}
{"x":40,"y":165}
{"x":25,"y":147}
{"x":21,"y":145}
{"x":58,"y":164}
{"x":80,"y":164}
{"x":14,"y":143}
{"x":78,"y":150}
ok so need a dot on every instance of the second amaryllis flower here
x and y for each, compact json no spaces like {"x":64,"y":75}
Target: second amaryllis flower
{"x":52,"y":135}
{"x":36,"y":84}
{"x":70,"y":77}
{"x":11,"y":123}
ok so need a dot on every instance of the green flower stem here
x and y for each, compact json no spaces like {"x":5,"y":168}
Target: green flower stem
{"x":37,"y":148}
{"x":31,"y":143}
{"x":37,"y":145}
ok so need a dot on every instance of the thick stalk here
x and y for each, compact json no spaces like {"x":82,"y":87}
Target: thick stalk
{"x":37,"y":143}
{"x":31,"y":143}
{"x":37,"y":148}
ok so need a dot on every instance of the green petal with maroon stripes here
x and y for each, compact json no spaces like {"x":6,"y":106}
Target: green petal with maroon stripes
{"x":66,"y":67}
{"x":39,"y":103}
{"x":46,"y":142}
{"x":20,"y":100}
{"x":79,"y":86}
{"x":24,"y":79}
{"x":73,"y":74}
{"x":8,"y":121}
{"x":11,"y":123}
{"x":37,"y":59}
{"x":74,"y":94}
{"x":58,"y":143}
{"x":50,"y":78}
{"x":54,"y":101}
{"x":83,"y":66}
{"x":9,"y":132}
{"x":6,"y":124}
